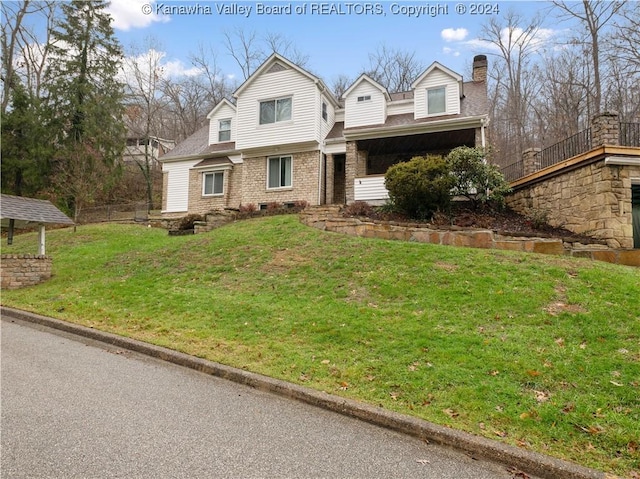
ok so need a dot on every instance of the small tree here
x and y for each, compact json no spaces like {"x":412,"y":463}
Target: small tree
{"x":420,"y":187}
{"x":474,"y":178}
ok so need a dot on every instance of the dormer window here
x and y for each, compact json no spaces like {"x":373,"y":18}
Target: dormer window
{"x":224,"y":130}
{"x":364,"y":98}
{"x":272,"y":111}
{"x":436,"y":100}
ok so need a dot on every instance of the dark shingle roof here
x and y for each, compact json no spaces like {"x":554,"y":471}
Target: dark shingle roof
{"x":197,"y":144}
{"x":30,"y":210}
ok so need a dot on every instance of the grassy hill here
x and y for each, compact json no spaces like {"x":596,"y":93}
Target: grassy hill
{"x":537,"y":351}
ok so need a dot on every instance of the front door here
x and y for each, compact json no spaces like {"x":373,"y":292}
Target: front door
{"x":339,"y":179}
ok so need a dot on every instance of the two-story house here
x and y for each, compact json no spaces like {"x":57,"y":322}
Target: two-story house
{"x":288,"y":139}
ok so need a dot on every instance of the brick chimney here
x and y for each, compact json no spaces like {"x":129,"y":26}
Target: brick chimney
{"x":480,"y":68}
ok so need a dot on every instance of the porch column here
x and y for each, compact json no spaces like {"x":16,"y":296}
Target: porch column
{"x":41,"y":240}
{"x":605,"y":129}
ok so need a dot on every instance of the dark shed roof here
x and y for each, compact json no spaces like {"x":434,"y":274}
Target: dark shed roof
{"x":30,"y":211}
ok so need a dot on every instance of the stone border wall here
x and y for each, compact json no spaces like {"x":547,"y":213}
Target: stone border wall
{"x":328,"y":219}
{"x":593,"y":199}
{"x":20,"y":270}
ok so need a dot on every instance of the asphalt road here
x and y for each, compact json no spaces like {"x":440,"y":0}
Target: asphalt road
{"x":77,"y":408}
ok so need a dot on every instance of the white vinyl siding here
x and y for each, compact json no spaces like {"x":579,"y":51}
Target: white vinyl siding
{"x":370,"y":188}
{"x":302,"y":127}
{"x":360,"y":111}
{"x":434,"y":80}
{"x":326,"y":125}
{"x":224,"y":113}
{"x":178,"y":185}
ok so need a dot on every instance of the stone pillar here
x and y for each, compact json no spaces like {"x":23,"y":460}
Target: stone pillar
{"x":350,"y":169}
{"x":530,"y":161}
{"x":605,"y":129}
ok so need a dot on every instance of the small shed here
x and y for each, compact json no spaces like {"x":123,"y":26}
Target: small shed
{"x":20,"y":212}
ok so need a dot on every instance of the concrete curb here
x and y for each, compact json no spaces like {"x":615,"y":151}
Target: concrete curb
{"x":530,"y":462}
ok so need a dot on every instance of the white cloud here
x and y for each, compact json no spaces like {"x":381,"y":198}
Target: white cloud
{"x":128,"y":14}
{"x":454,"y":34}
{"x":451,"y":51}
{"x":154,"y":61}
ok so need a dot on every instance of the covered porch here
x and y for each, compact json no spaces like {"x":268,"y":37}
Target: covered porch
{"x":368,"y":159}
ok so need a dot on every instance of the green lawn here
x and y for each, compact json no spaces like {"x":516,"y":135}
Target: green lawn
{"x":537,"y":351}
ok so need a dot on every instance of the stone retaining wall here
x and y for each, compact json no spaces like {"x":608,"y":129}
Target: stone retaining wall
{"x":20,"y":270}
{"x":593,"y":199}
{"x":328,"y":219}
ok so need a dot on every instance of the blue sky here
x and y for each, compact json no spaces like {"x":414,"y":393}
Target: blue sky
{"x":337,"y":36}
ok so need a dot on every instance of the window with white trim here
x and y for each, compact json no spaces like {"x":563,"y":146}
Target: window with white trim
{"x":436,"y":100}
{"x":364,"y":98}
{"x":213,"y":183}
{"x":279,"y":171}
{"x":224,"y":130}
{"x":324,"y":111}
{"x":273,"y":111}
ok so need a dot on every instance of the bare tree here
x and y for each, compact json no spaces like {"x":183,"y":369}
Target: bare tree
{"x":516,"y":40}
{"x":245,"y":49}
{"x":143,"y":73}
{"x":594,"y":16}
{"x":340,"y":85}
{"x":249,"y":49}
{"x":393,"y":68}
{"x":24,"y":53}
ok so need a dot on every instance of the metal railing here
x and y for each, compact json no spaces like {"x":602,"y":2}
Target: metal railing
{"x":629,"y":134}
{"x":567,"y":148}
{"x":513,"y":171}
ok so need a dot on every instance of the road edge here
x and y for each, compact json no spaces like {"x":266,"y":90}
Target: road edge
{"x":533,"y":463}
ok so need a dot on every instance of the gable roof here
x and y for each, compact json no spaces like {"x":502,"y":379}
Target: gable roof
{"x":276,"y":58}
{"x":362,"y":78}
{"x":28,"y":211}
{"x":439,"y":66}
{"x":220,"y":105}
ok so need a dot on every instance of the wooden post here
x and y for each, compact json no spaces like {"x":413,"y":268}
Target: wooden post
{"x":41,"y":241}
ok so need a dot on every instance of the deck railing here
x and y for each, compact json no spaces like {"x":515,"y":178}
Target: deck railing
{"x":567,"y":148}
{"x":513,"y":171}
{"x":629,"y":134}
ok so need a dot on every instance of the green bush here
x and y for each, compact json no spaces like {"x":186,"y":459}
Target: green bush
{"x":420,"y":187}
{"x":474,"y":178}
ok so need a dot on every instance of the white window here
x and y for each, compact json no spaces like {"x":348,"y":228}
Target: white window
{"x":436,"y":100}
{"x":213,"y":183}
{"x":272,"y":111}
{"x":324,"y":111}
{"x":279,"y":171}
{"x":364,"y":98}
{"x":224,"y":130}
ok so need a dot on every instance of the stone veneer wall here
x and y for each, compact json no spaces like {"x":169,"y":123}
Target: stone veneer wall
{"x":594,"y":199}
{"x":20,"y":270}
{"x":306,"y":167}
{"x":329,"y":219}
{"x":232,"y":191}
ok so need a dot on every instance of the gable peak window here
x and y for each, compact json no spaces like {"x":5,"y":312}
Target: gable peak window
{"x":273,"y":111}
{"x":224,"y":130}
{"x":436,"y":100}
{"x":364,"y":98}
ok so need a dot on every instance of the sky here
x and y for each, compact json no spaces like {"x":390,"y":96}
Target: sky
{"x":337,"y":37}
